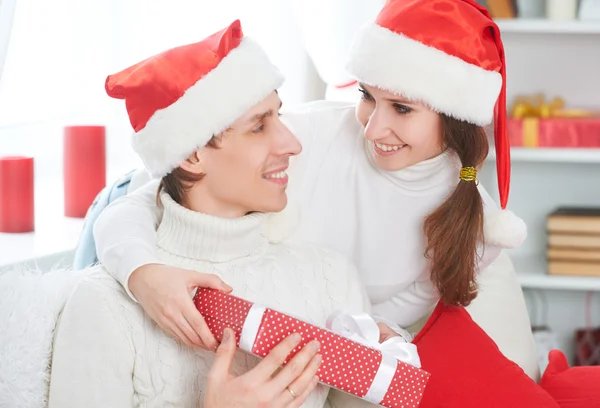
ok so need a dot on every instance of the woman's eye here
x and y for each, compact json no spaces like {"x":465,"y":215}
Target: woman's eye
{"x":402,"y":109}
{"x":365,"y":95}
{"x":259,"y":129}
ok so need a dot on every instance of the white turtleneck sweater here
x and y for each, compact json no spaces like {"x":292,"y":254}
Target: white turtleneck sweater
{"x":108,"y":353}
{"x":346,"y":203}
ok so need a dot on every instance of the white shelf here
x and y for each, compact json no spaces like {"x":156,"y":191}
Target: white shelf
{"x":552,"y":155}
{"x":544,"y":26}
{"x":531,"y":273}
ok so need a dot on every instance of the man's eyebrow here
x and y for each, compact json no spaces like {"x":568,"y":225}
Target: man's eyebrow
{"x":263,"y":115}
{"x":260,"y":116}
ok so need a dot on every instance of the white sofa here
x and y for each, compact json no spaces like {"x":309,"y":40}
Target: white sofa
{"x":31,"y":300}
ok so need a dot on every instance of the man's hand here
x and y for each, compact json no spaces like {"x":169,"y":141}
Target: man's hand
{"x":263,"y":386}
{"x":164,"y":293}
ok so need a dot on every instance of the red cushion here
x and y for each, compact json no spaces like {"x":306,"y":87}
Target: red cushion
{"x":576,"y":387}
{"x":467,"y":368}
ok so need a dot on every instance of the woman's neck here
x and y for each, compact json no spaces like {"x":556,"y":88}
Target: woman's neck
{"x":437,"y":172}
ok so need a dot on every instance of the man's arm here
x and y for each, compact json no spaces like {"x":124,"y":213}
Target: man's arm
{"x":93,"y":358}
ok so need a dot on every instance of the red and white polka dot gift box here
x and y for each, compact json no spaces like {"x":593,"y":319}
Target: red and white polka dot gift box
{"x":348,"y":365}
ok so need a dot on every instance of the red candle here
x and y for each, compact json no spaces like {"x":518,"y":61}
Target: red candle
{"x":84,"y":167}
{"x":16,"y":194}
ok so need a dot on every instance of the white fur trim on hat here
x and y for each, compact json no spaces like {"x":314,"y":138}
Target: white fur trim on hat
{"x":241,"y":80}
{"x":446,"y":83}
{"x":504,"y":229}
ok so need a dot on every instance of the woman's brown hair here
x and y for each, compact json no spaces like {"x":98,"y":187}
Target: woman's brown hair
{"x":455,"y":229}
{"x":177,"y":183}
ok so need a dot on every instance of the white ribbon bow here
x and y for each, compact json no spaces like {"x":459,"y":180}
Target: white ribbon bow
{"x":362,"y":329}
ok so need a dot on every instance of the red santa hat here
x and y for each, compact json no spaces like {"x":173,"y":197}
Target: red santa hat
{"x":179,"y":99}
{"x":449,"y":55}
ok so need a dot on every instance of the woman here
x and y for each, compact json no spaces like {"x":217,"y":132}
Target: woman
{"x":211,"y":132}
{"x":391,"y":183}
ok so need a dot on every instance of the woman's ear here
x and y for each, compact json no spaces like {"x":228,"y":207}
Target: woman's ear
{"x":193,"y":164}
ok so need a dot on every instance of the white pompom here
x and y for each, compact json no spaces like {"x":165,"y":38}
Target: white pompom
{"x":504,"y":229}
{"x":283,"y":224}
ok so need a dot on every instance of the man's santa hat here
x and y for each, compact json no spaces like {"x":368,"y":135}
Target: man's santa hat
{"x":179,"y":99}
{"x":449,"y":55}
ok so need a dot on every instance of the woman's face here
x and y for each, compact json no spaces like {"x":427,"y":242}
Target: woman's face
{"x":401,"y":132}
{"x":247,"y":170}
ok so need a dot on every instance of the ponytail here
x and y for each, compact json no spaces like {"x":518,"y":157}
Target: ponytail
{"x":455,"y":229}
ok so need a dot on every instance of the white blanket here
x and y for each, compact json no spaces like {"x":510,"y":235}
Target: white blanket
{"x":30,"y":304}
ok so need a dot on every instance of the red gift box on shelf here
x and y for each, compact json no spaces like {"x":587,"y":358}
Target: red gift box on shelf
{"x":554,"y":132}
{"x":537,"y":123}
{"x":348,"y":365}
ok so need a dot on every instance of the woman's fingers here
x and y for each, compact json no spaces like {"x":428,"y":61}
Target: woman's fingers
{"x":203,"y":335}
{"x":179,"y":334}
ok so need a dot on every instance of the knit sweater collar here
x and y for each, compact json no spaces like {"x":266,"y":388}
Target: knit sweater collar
{"x":205,"y":237}
{"x":440,"y":171}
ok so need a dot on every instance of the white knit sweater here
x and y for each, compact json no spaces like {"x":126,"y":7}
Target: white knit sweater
{"x":346,"y":203}
{"x":108,"y":353}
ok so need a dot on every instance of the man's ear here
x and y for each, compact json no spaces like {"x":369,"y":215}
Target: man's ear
{"x":193,"y":164}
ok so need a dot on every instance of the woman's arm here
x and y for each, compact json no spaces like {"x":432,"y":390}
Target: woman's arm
{"x":125,"y":235}
{"x":93,"y":357}
{"x":408,"y":306}
{"x":358,"y":299}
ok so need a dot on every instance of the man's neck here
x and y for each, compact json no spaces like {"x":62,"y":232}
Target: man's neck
{"x":198,"y":235}
{"x":198,"y":199}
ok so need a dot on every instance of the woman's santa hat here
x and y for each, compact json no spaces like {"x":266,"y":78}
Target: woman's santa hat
{"x":179,"y":99}
{"x":449,"y":55}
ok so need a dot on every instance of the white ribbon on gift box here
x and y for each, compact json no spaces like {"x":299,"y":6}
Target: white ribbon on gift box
{"x":360,"y":328}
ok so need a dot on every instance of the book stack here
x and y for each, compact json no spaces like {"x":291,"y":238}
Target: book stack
{"x":574,"y":241}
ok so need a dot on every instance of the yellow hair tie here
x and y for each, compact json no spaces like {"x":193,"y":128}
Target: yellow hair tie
{"x":468,"y":174}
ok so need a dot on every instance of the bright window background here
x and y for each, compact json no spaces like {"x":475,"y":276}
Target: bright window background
{"x":61,"y":51}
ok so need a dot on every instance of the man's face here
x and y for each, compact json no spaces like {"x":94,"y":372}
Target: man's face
{"x":247,"y":170}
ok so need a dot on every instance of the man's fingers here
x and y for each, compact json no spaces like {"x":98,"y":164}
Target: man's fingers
{"x":300,"y":399}
{"x":265,"y":369}
{"x":223,"y":357}
{"x":296,"y":367}
{"x":198,"y":325}
{"x":302,"y":383}
{"x":206,"y":280}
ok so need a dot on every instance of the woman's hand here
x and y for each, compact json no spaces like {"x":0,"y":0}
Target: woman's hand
{"x":260,"y":387}
{"x":164,"y":293}
{"x":385,"y":332}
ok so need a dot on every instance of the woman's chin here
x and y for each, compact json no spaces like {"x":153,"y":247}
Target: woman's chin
{"x":391,"y":163}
